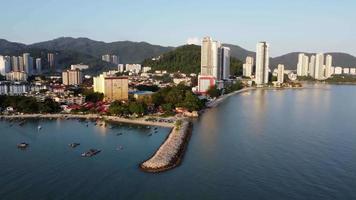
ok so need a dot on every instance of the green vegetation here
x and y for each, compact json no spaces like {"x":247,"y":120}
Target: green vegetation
{"x":94,"y":97}
{"x":29,"y":104}
{"x":166,"y":99}
{"x":186,"y":59}
{"x":342,"y":79}
{"x":152,"y":88}
{"x":234,"y":87}
{"x":214,"y":92}
{"x":178,"y":96}
{"x":304,"y":78}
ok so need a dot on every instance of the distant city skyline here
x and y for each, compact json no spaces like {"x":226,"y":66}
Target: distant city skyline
{"x":288,"y":26}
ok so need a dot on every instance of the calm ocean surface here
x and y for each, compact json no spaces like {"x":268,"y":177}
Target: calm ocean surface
{"x":262,"y":144}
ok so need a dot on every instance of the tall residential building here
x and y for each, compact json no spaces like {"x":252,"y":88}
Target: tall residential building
{"x":224,"y":63}
{"x":28,"y":63}
{"x":262,"y":63}
{"x":14,"y":64}
{"x":319,"y":63}
{"x":113,"y":88}
{"x":328,"y":66}
{"x":303,"y":65}
{"x":21,"y":64}
{"x":38,"y":65}
{"x":72,"y":77}
{"x":5,"y":65}
{"x":115,"y":59}
{"x":280,"y":74}
{"x":312,"y":66}
{"x":51,"y":62}
{"x":210,"y":57}
{"x":248,"y":66}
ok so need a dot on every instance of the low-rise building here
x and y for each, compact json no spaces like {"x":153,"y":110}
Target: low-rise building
{"x":79,"y":67}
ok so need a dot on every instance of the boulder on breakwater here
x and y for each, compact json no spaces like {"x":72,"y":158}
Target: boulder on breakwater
{"x":171,"y":152}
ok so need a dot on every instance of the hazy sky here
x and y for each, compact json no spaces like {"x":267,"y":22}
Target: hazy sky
{"x":288,"y":25}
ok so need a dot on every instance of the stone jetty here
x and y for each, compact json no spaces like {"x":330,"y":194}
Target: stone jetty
{"x":171,"y":152}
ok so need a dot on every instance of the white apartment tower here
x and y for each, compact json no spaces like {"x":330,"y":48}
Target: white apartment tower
{"x":210,"y":57}
{"x":312,"y":66}
{"x":303,"y":65}
{"x":280,"y":74}
{"x":248,"y":66}
{"x":38,"y":65}
{"x":319,"y":66}
{"x":328,"y":66}
{"x":5,"y":66}
{"x":262,"y":63}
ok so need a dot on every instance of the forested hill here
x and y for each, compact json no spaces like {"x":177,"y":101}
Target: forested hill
{"x":185,"y":59}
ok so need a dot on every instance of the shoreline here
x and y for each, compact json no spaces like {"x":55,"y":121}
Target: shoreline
{"x":221,"y":99}
{"x":171,"y":152}
{"x":140,"y":121}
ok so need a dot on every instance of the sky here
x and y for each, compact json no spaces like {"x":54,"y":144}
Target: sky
{"x":288,"y":25}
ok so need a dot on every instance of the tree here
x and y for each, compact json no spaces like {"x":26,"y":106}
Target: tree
{"x":118,"y":108}
{"x":50,"y":106}
{"x":137,"y":108}
{"x":192,"y":102}
{"x":213,"y":92}
{"x":93,"y":97}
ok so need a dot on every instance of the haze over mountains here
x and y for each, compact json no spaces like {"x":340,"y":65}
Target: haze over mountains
{"x":89,"y":52}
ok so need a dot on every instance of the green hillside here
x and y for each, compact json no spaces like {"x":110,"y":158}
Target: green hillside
{"x":186,"y":59}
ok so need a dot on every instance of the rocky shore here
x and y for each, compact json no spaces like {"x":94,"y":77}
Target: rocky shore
{"x":171,"y":152}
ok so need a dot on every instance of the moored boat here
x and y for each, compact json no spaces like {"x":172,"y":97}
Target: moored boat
{"x":73,"y":145}
{"x":22,"y":145}
{"x":91,"y":152}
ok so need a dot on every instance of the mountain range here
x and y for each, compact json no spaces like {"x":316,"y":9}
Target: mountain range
{"x":83,"y":50}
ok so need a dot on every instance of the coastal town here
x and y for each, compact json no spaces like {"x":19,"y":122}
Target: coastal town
{"x":138,"y":94}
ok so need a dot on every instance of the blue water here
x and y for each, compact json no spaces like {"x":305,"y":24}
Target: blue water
{"x":263,"y":144}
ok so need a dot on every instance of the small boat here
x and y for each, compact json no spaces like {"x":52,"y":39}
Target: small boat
{"x":119,"y":148}
{"x":39,"y":127}
{"x":91,"y":152}
{"x":148,"y":127}
{"x":119,"y":134}
{"x":155,"y":128}
{"x":150,"y":134}
{"x":22,"y":123}
{"x":73,"y":145}
{"x":22,"y":145}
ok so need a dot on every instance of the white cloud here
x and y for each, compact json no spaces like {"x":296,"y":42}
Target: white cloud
{"x":193,"y":40}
